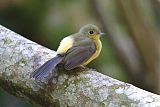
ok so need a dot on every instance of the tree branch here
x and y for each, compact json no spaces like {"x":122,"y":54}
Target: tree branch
{"x":78,"y":88}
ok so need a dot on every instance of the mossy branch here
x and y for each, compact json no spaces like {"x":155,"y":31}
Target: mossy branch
{"x":79,"y":88}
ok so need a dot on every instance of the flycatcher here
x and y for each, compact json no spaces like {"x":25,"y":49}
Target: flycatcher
{"x":75,"y":50}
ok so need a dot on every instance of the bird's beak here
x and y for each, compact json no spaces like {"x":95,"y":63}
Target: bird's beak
{"x":101,"y":34}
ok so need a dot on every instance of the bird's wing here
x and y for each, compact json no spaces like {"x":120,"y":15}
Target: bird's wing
{"x":79,"y":54}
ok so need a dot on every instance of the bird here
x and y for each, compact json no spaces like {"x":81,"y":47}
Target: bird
{"x":76,"y":50}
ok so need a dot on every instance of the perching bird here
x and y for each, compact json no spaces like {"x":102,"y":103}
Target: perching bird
{"x":75,"y":50}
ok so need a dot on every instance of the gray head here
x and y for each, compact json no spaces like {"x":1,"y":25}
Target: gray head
{"x":90,"y":30}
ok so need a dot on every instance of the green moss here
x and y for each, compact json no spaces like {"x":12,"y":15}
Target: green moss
{"x":22,"y":62}
{"x":7,"y":41}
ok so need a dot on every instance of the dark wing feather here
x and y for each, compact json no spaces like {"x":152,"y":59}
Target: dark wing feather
{"x":79,"y":54}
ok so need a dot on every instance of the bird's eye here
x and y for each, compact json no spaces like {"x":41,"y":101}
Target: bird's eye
{"x":91,"y":32}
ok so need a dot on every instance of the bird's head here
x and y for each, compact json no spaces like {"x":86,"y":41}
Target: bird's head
{"x":91,"y":31}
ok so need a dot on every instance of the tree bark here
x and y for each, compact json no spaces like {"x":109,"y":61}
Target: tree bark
{"x":77,"y":88}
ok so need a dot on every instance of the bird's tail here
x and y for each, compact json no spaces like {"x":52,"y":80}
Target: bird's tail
{"x":47,"y":69}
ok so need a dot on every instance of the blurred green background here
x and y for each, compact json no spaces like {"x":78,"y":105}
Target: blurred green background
{"x":130,"y":47}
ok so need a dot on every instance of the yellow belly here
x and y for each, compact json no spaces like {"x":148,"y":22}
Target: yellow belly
{"x":96,"y":54}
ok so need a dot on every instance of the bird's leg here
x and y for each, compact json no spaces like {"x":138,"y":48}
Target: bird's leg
{"x":83,"y":67}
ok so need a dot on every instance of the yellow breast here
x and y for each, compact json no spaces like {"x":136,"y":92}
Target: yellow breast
{"x":98,"y":50}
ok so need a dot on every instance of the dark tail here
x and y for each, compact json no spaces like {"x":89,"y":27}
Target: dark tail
{"x":47,"y":69}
